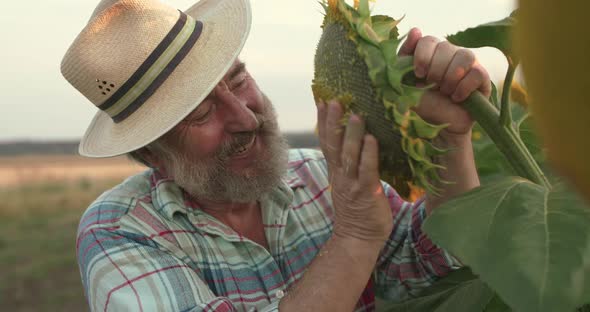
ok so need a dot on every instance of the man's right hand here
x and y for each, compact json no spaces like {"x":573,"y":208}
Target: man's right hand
{"x":361,"y":210}
{"x":362,"y":223}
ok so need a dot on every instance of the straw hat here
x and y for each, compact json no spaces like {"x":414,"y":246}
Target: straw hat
{"x":146,"y":66}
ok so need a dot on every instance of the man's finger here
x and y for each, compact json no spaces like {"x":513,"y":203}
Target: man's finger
{"x":461,"y":64}
{"x":334,"y":133}
{"x":476,"y":79}
{"x":351,"y":149}
{"x":369,"y":161}
{"x":321,"y":114}
{"x":423,"y":55}
{"x":409,"y":46}
{"x":441,"y":59}
{"x":486,"y":87}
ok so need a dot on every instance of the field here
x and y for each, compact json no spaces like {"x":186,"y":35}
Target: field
{"x":42,"y":199}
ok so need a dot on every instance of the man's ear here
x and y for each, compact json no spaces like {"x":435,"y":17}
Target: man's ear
{"x":153,"y":158}
{"x":147,"y":156}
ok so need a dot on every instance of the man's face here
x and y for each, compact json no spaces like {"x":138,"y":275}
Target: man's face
{"x":229,"y":148}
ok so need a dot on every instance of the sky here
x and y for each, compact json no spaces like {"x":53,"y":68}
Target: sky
{"x":36,"y":103}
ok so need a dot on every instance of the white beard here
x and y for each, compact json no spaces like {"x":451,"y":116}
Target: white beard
{"x":211,"y":179}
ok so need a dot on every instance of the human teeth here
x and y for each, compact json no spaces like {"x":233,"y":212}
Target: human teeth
{"x":246,"y":146}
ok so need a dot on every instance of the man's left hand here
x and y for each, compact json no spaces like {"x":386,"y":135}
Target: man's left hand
{"x":455,"y":73}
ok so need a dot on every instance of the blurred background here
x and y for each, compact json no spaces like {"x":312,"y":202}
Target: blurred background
{"x":45,"y":186}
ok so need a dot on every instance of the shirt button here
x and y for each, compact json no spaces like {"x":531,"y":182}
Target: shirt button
{"x":280,"y":294}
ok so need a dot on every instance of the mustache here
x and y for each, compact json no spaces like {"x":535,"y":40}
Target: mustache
{"x":267,"y":128}
{"x":238,"y":140}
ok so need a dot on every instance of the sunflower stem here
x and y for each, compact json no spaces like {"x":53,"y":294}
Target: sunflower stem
{"x":502,"y":134}
{"x":506,"y":139}
{"x":505,"y":112}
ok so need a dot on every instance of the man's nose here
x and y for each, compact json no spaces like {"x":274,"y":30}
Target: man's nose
{"x":238,"y":115}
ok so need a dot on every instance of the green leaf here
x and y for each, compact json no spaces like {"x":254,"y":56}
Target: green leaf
{"x":385,"y":26}
{"x":417,"y":151}
{"x":497,"y":305}
{"x":365,"y":30}
{"x":432,"y":150}
{"x":496,"y":34}
{"x":400,"y":118}
{"x":349,"y":13}
{"x":530,"y":244}
{"x":395,"y":70}
{"x":411,"y":96}
{"x":519,"y":121}
{"x":528,"y":135}
{"x":389,"y":50}
{"x":324,"y":5}
{"x":392,"y":100}
{"x":364,"y":10}
{"x":491,"y":162}
{"x":427,"y":130}
{"x":375,"y":63}
{"x":460,"y":291}
{"x":395,"y":73}
{"x":524,"y":125}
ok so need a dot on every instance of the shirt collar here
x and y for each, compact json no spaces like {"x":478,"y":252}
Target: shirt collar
{"x":168,"y":198}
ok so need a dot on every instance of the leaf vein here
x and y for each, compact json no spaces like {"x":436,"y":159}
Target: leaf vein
{"x":493,"y":217}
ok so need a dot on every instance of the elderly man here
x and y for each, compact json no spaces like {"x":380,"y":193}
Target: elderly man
{"x":227,"y":218}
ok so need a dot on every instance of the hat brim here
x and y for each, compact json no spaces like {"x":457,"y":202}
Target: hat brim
{"x":226,"y":24}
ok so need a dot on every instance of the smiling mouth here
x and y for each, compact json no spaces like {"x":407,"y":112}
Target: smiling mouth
{"x":245,"y":148}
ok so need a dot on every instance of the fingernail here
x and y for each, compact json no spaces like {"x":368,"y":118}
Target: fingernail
{"x":333,"y":105}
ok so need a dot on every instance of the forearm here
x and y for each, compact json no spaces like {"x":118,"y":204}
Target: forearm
{"x":336,"y":278}
{"x":460,"y":174}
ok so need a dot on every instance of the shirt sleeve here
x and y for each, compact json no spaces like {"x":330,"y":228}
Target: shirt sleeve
{"x":123,"y":272}
{"x":409,"y":261}
{"x":120,"y":273}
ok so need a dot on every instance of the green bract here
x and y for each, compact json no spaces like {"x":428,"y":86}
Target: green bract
{"x":356,"y":63}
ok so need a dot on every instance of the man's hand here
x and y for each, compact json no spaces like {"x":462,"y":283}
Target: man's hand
{"x":361,"y":209}
{"x":338,"y":275}
{"x":455,"y":73}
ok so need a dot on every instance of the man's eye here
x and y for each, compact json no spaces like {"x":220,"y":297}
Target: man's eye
{"x":202,"y":117}
{"x":202,"y":113}
{"x":238,"y":81}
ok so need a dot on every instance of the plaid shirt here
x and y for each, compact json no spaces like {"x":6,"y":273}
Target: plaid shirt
{"x":143,"y":246}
